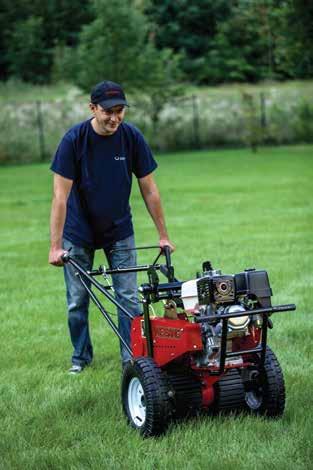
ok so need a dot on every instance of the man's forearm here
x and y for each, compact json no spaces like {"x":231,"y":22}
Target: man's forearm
{"x":154,"y":206}
{"x":151,"y":196}
{"x":61,"y":189}
{"x":57,"y":220}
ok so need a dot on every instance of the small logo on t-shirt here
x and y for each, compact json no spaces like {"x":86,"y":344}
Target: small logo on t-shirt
{"x":119,"y":158}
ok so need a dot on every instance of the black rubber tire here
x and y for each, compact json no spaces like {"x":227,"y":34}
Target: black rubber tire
{"x":156,"y":409}
{"x":229,"y":394}
{"x":186,"y":394}
{"x":266,"y":396}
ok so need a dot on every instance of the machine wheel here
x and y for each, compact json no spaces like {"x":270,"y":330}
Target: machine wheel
{"x":229,"y":393}
{"x":265,"y":391}
{"x":145,"y":397}
{"x":186,"y":394}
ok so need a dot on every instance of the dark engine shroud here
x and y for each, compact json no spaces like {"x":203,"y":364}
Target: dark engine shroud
{"x":224,"y":289}
{"x":256,"y":284}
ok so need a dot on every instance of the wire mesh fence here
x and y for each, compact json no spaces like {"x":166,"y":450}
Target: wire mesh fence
{"x":31,"y":131}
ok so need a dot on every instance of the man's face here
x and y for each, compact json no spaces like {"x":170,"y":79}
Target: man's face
{"x":107,"y":120}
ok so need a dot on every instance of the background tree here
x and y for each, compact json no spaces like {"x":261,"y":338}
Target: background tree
{"x":11,"y":13}
{"x":297,"y":41}
{"x":39,"y":26}
{"x":29,"y":58}
{"x":122,"y":50}
{"x":188,"y":27}
{"x":217,"y":40}
{"x":110,"y":47}
{"x":244,"y":48}
{"x":243,"y":40}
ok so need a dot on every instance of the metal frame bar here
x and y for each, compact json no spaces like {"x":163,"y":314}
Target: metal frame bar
{"x":88,"y":275}
{"x":97,"y":302}
{"x":264,"y":338}
{"x":223,"y":353}
{"x":147,"y":326}
{"x":130,"y":269}
{"x":259,"y":349}
{"x":99,"y":286}
{"x":257,"y":311}
{"x":148,"y":247}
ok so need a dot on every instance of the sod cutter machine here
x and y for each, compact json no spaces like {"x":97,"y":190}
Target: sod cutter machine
{"x":208,"y":352}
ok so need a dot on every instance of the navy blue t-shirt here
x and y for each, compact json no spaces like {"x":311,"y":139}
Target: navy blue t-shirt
{"x":101,"y":167}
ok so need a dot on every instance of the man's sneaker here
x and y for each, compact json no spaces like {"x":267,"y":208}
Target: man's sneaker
{"x":75,"y":369}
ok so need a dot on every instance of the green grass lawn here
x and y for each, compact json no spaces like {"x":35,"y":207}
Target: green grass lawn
{"x":235,"y":208}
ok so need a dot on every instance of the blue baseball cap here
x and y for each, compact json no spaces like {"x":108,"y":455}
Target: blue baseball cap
{"x":108,"y":94}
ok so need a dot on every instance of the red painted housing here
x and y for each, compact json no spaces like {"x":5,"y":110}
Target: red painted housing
{"x":174,"y":338}
{"x":171,"y":339}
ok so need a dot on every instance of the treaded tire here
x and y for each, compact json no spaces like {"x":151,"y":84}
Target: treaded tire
{"x":145,"y":398}
{"x":186,"y":394}
{"x":229,"y":394}
{"x":268,"y":395}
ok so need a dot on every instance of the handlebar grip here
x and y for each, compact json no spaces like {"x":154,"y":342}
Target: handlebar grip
{"x":65,"y":257}
{"x":167,"y":252}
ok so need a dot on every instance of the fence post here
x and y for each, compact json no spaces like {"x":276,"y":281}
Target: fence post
{"x":263,"y":110}
{"x":196,"y":120}
{"x":41,"y":136}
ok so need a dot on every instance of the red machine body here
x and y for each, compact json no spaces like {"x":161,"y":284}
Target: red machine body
{"x":177,"y":341}
{"x":208,"y":352}
{"x":171,"y":339}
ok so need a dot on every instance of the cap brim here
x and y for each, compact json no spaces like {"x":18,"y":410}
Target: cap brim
{"x":107,"y":104}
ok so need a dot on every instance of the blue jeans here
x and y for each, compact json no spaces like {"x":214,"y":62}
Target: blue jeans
{"x":126,"y":293}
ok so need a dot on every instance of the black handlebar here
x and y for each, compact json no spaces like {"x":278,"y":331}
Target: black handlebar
{"x":65,"y":257}
{"x":168,"y":271}
{"x":167,"y":252}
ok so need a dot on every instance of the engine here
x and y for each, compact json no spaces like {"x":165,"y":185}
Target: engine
{"x":213,"y":295}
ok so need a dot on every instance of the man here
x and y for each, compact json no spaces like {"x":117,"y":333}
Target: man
{"x":93,"y":169}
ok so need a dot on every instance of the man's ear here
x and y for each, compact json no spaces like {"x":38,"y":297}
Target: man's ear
{"x":92,"y":107}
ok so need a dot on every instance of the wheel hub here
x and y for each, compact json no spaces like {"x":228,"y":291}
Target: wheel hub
{"x":254,"y":390}
{"x":136,"y":402}
{"x":254,"y":399}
